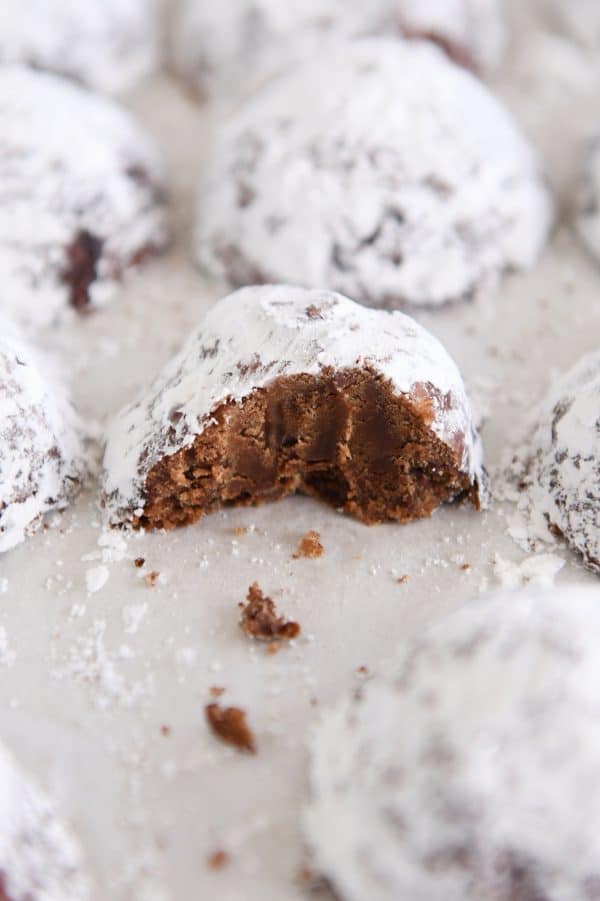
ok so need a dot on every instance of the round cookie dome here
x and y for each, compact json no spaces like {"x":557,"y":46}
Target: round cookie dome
{"x":563,"y":473}
{"x":230,"y":48}
{"x":471,"y":768}
{"x":82,"y":196}
{"x":39,"y":857}
{"x":107,"y":44}
{"x":285,"y":390}
{"x":402,"y":183}
{"x":41,"y":449}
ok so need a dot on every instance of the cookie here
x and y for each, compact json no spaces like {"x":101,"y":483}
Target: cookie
{"x":228,"y":50}
{"x":285,"y":390}
{"x":41,"y":445}
{"x":470,"y":769}
{"x":402,"y":183}
{"x":563,"y":472}
{"x":39,"y":857}
{"x":82,"y":201}
{"x":107,"y":45}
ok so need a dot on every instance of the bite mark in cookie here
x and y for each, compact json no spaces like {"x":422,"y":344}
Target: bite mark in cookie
{"x":361,"y":409}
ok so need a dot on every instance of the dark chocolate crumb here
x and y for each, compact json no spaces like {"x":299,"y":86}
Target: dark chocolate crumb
{"x":310,"y":546}
{"x":139,"y":562}
{"x":218,"y":859}
{"x":229,"y":724}
{"x":81,"y":269}
{"x":259,"y":618}
{"x":165,"y":730}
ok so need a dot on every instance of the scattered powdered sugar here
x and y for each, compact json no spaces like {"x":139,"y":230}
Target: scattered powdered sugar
{"x":289,"y":330}
{"x":540,"y":570}
{"x":133,"y":615}
{"x":90,"y":662}
{"x":404,"y":159}
{"x":96,"y":578}
{"x":7,"y":655}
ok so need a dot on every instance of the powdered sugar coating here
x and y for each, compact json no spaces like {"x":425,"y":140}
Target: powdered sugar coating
{"x":403,"y":182}
{"x":107,"y":44}
{"x":228,"y":49}
{"x":471,"y":768}
{"x":81,"y":196}
{"x":563,"y":472}
{"x":587,"y":219}
{"x":39,"y":858}
{"x":262,"y":333}
{"x":41,"y":446}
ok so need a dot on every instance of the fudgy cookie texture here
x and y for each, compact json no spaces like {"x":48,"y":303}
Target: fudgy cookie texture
{"x":41,"y":447}
{"x":587,"y":220}
{"x":286,"y":390}
{"x":82,"y":196}
{"x":562,"y":474}
{"x":40,"y":859}
{"x":227,"y":49}
{"x":398,"y":179}
{"x":107,"y":45}
{"x":469,"y":769}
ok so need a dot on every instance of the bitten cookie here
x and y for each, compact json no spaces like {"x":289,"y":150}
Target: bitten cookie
{"x":39,"y":857}
{"x":229,"y":49}
{"x":107,"y":45}
{"x":285,"y":390}
{"x":563,"y":472}
{"x":82,"y":196}
{"x":470,"y":769}
{"x":383,"y":171}
{"x":41,"y":446}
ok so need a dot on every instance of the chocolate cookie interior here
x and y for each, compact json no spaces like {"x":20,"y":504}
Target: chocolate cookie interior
{"x":342,"y":437}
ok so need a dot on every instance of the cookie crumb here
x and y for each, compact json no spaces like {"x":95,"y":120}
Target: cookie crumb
{"x":310,"y":546}
{"x":362,"y":670}
{"x":273,"y":648}
{"x":218,"y":859}
{"x":466,"y":567}
{"x":229,"y":724}
{"x":152,"y":578}
{"x":240,"y":530}
{"x":401,"y":580}
{"x":259,"y":618}
{"x":139,"y":562}
{"x":215,"y":691}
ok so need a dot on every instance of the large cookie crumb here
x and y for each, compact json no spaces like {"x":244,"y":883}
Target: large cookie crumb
{"x":259,"y":618}
{"x":310,"y":546}
{"x":229,"y":724}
